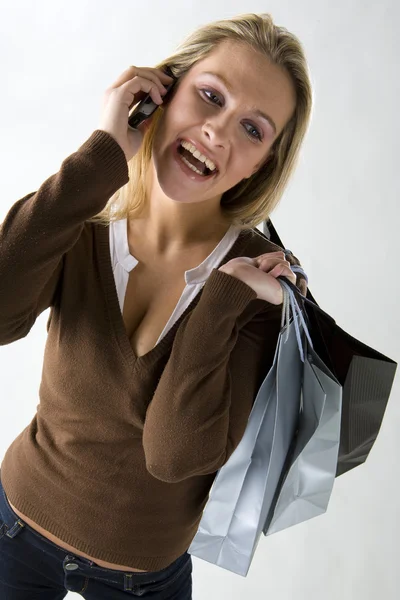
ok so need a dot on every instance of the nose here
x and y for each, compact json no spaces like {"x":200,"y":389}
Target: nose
{"x":216,"y":131}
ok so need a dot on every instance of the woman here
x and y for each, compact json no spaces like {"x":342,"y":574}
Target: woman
{"x":165,"y":313}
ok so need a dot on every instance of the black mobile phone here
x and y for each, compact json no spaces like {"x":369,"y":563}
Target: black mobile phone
{"x":146,"y":107}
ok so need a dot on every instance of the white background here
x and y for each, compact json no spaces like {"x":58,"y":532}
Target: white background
{"x":339,"y":215}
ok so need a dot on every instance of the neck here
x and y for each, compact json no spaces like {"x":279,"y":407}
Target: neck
{"x":169,"y":227}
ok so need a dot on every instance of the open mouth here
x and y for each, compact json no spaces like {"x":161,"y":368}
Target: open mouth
{"x":190,"y":162}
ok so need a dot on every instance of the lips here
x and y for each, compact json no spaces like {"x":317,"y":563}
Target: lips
{"x":201,"y":149}
{"x":191,"y":174}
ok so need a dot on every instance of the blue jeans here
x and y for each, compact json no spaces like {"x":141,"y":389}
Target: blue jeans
{"x":33,"y":568}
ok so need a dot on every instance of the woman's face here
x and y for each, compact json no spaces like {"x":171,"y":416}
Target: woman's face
{"x":223,"y":121}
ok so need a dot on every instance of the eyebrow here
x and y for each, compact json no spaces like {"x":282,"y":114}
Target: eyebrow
{"x":258,"y":112}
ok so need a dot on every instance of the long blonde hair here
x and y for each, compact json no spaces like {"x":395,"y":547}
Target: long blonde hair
{"x":252,"y":200}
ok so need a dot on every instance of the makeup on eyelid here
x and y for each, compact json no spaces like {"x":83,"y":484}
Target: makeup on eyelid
{"x":255,"y":110}
{"x":260,"y":135}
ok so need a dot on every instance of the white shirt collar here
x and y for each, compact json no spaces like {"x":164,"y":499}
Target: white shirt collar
{"x":197,"y":275}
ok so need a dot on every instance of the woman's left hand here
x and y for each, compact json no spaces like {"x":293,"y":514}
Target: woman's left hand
{"x":260,"y":274}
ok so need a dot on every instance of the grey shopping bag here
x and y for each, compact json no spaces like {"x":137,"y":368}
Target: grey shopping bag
{"x":243,"y":490}
{"x":309,"y":481}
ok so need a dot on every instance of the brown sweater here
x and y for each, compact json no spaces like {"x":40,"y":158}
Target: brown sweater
{"x":133,"y":443}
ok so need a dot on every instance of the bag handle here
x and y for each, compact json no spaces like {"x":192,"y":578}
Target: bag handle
{"x":289,"y":301}
{"x":274,"y":237}
{"x":317,"y":324}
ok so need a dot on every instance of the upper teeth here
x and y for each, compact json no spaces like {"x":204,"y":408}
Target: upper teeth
{"x":188,"y":146}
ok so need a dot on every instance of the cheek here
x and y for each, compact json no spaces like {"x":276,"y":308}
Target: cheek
{"x":185,"y":111}
{"x":240,"y":166}
{"x":172,"y":122}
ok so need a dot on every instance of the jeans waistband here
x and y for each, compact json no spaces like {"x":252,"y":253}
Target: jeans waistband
{"x":15,"y":525}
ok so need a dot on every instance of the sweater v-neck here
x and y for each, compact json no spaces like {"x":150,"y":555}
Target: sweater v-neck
{"x":101,"y":234}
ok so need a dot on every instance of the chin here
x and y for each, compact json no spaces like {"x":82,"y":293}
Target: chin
{"x":176,"y":186}
{"x":174,"y":193}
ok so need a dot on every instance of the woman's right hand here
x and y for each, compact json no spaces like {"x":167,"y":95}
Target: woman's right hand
{"x":129,"y":89}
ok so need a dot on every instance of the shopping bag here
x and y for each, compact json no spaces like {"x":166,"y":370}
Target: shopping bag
{"x":365,"y":374}
{"x":310,"y":477}
{"x":243,"y":489}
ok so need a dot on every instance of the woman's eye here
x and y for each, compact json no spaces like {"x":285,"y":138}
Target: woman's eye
{"x":257,"y":134}
{"x":211,"y":94}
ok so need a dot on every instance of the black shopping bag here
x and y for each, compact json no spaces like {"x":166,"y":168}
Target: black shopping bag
{"x":366,"y":376}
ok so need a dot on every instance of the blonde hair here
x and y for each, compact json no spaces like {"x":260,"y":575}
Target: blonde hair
{"x":252,"y":200}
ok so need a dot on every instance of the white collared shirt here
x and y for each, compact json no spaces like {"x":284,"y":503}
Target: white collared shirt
{"x":123,"y":262}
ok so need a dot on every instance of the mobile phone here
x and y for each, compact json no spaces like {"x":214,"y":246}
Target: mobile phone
{"x":147,"y":107}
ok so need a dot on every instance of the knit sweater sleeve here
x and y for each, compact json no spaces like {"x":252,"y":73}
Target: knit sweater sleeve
{"x":201,"y":405}
{"x":40,"y":228}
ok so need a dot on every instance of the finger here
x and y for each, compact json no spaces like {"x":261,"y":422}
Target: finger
{"x":140,"y":84}
{"x":269,"y":262}
{"x":271,"y":256}
{"x":163,"y":76}
{"x":129,"y":73}
{"x":145,"y":74}
{"x":267,"y":254}
{"x":155,"y":75}
{"x":281,"y":269}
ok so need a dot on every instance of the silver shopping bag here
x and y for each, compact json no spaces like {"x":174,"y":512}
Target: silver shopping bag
{"x":243,"y":490}
{"x":309,"y":481}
